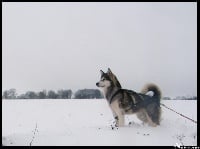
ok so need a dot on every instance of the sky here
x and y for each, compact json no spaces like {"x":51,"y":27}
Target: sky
{"x":65,"y":45}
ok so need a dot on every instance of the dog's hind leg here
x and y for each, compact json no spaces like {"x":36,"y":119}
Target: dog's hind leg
{"x":144,"y":117}
{"x":141,"y":115}
{"x":150,"y":122}
{"x":153,"y":113}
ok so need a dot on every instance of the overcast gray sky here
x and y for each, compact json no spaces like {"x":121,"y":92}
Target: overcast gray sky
{"x":64,"y":45}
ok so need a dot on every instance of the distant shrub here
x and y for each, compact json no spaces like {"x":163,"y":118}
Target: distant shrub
{"x":88,"y":94}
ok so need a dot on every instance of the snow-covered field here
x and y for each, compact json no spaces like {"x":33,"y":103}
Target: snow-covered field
{"x":87,"y":122}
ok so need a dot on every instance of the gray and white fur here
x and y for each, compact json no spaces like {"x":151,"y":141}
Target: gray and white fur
{"x":123,"y":101}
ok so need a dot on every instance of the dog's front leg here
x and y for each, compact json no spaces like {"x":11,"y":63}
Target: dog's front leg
{"x":120,"y":121}
{"x":117,"y":113}
{"x":115,"y":117}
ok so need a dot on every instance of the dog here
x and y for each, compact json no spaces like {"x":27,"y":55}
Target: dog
{"x":123,"y":101}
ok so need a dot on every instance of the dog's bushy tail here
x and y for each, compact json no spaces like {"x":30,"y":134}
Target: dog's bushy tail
{"x":155,"y":113}
{"x":154,"y":88}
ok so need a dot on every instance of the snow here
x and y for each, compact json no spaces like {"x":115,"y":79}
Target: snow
{"x":58,"y":122}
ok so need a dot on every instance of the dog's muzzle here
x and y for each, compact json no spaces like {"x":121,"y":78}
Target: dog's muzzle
{"x":97,"y":84}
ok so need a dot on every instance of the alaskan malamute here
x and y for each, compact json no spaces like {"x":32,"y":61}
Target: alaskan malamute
{"x":123,"y":101}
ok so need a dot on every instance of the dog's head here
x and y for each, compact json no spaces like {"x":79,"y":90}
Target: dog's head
{"x":108,"y":79}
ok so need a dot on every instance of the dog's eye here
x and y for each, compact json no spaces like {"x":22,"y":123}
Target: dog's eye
{"x":103,"y":79}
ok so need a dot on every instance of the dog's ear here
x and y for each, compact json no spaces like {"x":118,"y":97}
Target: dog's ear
{"x":101,"y":72}
{"x":109,"y":71}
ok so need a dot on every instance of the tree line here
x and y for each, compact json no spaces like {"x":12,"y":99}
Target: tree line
{"x":181,"y":98}
{"x":51,"y":94}
{"x":68,"y":94}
